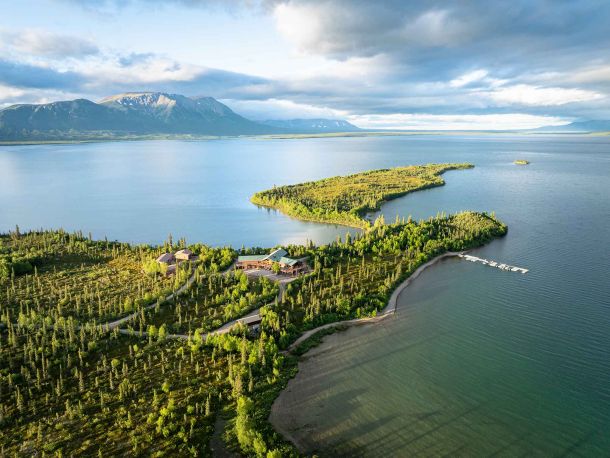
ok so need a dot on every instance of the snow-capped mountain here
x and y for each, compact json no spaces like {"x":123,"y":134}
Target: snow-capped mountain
{"x":142,"y":113}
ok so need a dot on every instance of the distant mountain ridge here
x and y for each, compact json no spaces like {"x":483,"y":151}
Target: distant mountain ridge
{"x":579,"y":126}
{"x":138,"y":113}
{"x":312,"y":125}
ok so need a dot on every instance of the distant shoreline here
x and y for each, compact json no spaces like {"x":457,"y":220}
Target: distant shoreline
{"x":359,"y":134}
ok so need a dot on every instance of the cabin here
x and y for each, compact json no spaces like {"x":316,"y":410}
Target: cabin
{"x":166,"y":258}
{"x":171,"y":260}
{"x":171,"y":270}
{"x":185,"y":255}
{"x":252,"y":322}
{"x":288,"y":266}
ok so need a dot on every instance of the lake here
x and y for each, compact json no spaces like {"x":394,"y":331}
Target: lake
{"x":477,"y":361}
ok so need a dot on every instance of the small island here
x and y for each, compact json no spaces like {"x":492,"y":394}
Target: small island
{"x":347,"y":199}
{"x":521,"y":162}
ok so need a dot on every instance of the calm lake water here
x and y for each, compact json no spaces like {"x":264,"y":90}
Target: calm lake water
{"x":476,"y":362}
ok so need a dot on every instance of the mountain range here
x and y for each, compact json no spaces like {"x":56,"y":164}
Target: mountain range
{"x":579,"y":127}
{"x":142,"y":114}
{"x":145,"y":114}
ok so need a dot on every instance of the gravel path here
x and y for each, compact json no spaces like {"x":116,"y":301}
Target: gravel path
{"x":254,"y":314}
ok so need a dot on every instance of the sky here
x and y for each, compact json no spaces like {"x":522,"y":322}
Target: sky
{"x":393,"y":64}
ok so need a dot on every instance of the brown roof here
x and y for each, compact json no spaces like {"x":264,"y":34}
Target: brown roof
{"x":165,"y":257}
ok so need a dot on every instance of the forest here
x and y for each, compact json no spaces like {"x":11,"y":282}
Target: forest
{"x":347,"y":199}
{"x":71,"y":385}
{"x":104,"y":354}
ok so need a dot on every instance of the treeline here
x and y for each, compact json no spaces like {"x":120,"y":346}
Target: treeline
{"x":212,"y":300}
{"x":355,"y":277}
{"x":352,"y":278}
{"x":74,"y":276}
{"x":347,"y":199}
{"x":75,"y":388}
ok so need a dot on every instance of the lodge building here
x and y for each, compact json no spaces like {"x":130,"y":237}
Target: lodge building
{"x":288,"y":266}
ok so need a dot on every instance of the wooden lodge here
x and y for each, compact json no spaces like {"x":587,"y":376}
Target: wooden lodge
{"x":288,"y":266}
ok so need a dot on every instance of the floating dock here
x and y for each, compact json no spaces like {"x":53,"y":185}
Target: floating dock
{"x":498,"y":265}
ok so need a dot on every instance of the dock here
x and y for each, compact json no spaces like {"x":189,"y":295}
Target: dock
{"x":498,"y":265}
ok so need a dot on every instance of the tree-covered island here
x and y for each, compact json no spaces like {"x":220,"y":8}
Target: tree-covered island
{"x":72,"y":384}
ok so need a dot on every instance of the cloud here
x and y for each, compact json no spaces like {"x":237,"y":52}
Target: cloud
{"x":352,"y":58}
{"x":509,"y":121}
{"x":9,"y":93}
{"x":594,"y":76}
{"x":134,"y":58}
{"x":158,"y":73}
{"x":342,"y":29}
{"x":23,"y":75}
{"x":47,"y":44}
{"x":467,"y":78}
{"x":281,"y":109}
{"x":115,"y":6}
{"x":523,"y":94}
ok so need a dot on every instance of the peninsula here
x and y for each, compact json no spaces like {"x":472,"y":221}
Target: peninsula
{"x":347,"y":199}
{"x":106,"y":351}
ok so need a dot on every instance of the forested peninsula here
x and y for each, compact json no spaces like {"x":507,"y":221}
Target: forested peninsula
{"x":91,"y":363}
{"x":347,"y":199}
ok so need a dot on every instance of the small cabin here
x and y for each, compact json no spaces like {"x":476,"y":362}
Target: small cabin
{"x":185,"y":255}
{"x":252,"y":322}
{"x":171,"y":270}
{"x":166,"y":258}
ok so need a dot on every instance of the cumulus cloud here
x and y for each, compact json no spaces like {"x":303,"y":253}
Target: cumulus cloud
{"x":342,"y":29}
{"x":375,"y":60}
{"x":47,"y":44}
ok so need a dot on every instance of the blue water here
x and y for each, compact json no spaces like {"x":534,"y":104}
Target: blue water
{"x":477,"y":361}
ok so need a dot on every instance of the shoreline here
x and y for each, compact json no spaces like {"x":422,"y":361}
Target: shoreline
{"x":388,"y":310}
{"x":287,"y":136}
{"x":363,"y":227}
